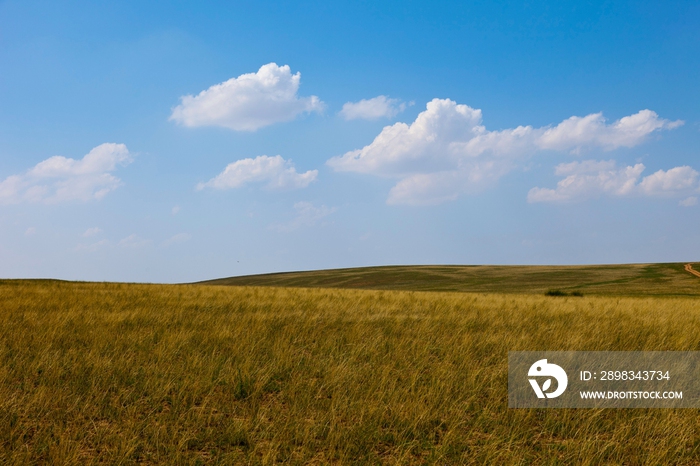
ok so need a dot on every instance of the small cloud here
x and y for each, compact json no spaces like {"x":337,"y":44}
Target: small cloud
{"x":176,"y":239}
{"x":248,"y":102}
{"x":275,"y":172}
{"x":60,"y":179}
{"x":372,"y":109}
{"x":307,"y":215}
{"x":92,"y":247}
{"x":133,"y":241}
{"x":175,"y":210}
{"x":30,"y":231}
{"x":91,"y":232}
{"x":689,"y":201}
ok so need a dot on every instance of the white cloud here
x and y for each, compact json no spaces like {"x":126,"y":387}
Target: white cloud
{"x":92,"y":247}
{"x":591,"y":130}
{"x":275,"y":172}
{"x":436,"y":188}
{"x":689,"y":201}
{"x":592,"y":178}
{"x":92,"y":232}
{"x":30,"y":231}
{"x":177,"y":239}
{"x":248,"y":102}
{"x":60,"y":179}
{"x":307,"y":215}
{"x":675,"y":180}
{"x":372,"y":109}
{"x":585,"y":166}
{"x":175,"y":210}
{"x":133,"y":241}
{"x":447,"y":151}
{"x":422,"y":147}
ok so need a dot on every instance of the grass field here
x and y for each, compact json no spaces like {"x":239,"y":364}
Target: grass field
{"x":619,"y":280}
{"x":193,"y":374}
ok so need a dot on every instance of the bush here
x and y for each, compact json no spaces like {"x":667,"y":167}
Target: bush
{"x":562,"y":293}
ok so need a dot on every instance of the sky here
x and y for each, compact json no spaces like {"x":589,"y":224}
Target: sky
{"x":184,"y":141}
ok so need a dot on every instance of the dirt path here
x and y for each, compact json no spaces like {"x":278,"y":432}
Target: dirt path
{"x":689,"y":268}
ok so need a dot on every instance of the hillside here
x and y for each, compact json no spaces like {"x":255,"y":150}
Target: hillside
{"x":668,"y":279}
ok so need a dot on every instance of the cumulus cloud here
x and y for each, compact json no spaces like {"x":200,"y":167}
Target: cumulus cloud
{"x":372,"y":109}
{"x":592,"y":178}
{"x":60,"y":179}
{"x":673,"y":181}
{"x":447,"y":151}
{"x":275,"y":172}
{"x":248,"y":102}
{"x":307,"y":215}
{"x":578,"y":132}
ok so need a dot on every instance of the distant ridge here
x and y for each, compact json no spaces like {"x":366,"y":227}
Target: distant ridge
{"x":663,"y":279}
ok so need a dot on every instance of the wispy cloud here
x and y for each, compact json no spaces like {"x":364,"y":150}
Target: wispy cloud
{"x":92,"y":247}
{"x":133,"y":241}
{"x":372,"y":109}
{"x":689,"y":201}
{"x":248,"y":102}
{"x":92,"y":232}
{"x":176,"y":239}
{"x":306,"y":215}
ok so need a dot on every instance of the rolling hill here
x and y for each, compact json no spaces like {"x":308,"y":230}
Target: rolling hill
{"x":665,"y":279}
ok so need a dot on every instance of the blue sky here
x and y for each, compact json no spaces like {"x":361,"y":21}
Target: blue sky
{"x":181,"y":141}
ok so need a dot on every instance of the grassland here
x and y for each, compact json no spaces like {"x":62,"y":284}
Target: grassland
{"x":193,"y":374}
{"x":619,"y":280}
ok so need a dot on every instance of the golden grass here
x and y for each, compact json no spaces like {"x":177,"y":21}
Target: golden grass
{"x":186,"y":374}
{"x":668,"y":280}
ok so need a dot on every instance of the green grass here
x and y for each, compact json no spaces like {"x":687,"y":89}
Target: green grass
{"x":628,"y":279}
{"x":190,"y":374}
